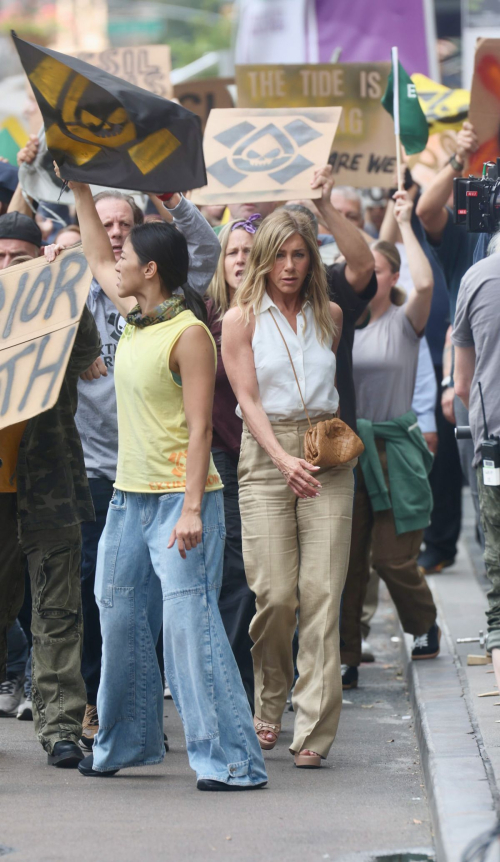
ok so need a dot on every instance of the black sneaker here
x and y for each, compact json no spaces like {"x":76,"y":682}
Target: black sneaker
{"x":349,"y":677}
{"x":427,"y":646}
{"x":431,"y":563}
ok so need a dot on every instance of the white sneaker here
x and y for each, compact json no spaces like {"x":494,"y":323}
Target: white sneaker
{"x":167,"y":694}
{"x":366,"y":652}
{"x":25,"y":709}
{"x":11,"y":694}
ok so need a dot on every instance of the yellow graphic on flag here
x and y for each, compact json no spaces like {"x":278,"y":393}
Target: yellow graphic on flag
{"x":81,"y":134}
{"x":444,"y":109}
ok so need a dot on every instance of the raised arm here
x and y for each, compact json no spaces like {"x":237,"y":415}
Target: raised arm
{"x":419,"y":302}
{"x":237,"y":355}
{"x":431,"y":208}
{"x":359,"y":259}
{"x":389,"y":229}
{"x":203,"y":245}
{"x":97,"y":247}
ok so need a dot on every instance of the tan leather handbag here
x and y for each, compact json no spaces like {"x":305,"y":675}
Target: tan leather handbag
{"x":330,"y":442}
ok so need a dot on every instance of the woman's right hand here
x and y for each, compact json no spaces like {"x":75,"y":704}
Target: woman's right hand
{"x":297,"y":473}
{"x":74,"y":186}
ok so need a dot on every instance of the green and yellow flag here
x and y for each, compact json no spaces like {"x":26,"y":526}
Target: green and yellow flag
{"x":401,"y":101}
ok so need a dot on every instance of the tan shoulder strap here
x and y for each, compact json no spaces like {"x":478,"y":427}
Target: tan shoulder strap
{"x":293,"y":367}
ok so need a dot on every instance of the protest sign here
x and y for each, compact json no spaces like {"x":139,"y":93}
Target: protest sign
{"x":147,"y":66}
{"x":364,"y":154}
{"x":40,"y":307}
{"x":101,"y":129}
{"x":202,"y":96}
{"x":484,"y":112}
{"x":265,"y":155}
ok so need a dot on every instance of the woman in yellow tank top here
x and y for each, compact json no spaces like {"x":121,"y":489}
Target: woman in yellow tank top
{"x":161,"y":553}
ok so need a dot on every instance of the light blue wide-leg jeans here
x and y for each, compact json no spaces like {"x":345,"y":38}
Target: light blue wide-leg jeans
{"x":136,"y":574}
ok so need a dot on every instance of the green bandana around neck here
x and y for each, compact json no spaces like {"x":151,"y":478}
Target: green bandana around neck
{"x":165,"y":311}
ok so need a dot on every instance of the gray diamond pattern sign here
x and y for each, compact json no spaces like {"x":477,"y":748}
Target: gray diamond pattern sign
{"x":265,"y":154}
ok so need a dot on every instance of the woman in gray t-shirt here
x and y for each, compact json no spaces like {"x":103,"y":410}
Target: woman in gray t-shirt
{"x":385,"y":533}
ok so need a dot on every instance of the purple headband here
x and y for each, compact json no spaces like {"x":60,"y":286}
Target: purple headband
{"x":248,"y":224}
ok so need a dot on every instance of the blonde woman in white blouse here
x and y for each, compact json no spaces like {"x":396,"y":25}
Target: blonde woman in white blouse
{"x":296,"y":518}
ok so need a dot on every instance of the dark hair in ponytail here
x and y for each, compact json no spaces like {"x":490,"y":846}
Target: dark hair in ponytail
{"x":163,"y":243}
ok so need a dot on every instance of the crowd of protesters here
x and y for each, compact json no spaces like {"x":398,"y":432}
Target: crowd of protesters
{"x":162,"y":532}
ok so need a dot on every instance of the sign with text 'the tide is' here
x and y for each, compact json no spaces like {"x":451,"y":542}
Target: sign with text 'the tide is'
{"x":364,"y":152}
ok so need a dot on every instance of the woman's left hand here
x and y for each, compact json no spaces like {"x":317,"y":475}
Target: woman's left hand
{"x":187,"y":533}
{"x":403,"y":207}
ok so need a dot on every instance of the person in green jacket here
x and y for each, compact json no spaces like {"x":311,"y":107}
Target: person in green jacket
{"x":393,"y":500}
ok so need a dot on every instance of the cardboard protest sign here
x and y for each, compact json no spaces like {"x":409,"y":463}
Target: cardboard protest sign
{"x":103,"y":130}
{"x":364,"y":153}
{"x":202,"y":96}
{"x":40,"y":307}
{"x":147,"y":66}
{"x":484,"y":112}
{"x":265,"y":155}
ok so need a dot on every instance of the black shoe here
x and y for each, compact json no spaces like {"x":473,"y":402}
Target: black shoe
{"x":430,"y":562}
{"x":165,"y":742}
{"x":349,"y":677}
{"x":427,"y":646}
{"x":65,"y":755}
{"x":86,"y":767}
{"x":211,"y":784}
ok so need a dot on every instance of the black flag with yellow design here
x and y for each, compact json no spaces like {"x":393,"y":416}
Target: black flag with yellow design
{"x":103,"y":130}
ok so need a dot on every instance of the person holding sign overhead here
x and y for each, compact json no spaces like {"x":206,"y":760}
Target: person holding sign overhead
{"x":160,"y":556}
{"x":44,"y":490}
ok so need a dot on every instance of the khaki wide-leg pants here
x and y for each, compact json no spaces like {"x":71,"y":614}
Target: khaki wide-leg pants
{"x":296,"y":554}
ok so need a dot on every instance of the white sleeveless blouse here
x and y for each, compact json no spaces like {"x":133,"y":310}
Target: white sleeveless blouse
{"x":314,"y":363}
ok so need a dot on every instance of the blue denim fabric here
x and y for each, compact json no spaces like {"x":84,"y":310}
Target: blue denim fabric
{"x":138,"y":580}
{"x":18,"y":650}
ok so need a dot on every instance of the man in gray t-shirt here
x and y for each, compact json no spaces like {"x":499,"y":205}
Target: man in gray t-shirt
{"x":477,"y":360}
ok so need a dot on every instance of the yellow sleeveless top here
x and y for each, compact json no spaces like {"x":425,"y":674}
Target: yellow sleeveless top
{"x":152,"y":430}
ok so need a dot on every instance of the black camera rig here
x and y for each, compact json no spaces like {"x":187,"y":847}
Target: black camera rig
{"x":476,"y":200}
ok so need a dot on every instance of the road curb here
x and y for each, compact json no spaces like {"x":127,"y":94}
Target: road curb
{"x":458,"y":776}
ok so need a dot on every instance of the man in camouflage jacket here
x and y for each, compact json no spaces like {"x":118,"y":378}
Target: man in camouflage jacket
{"x":53,"y":499}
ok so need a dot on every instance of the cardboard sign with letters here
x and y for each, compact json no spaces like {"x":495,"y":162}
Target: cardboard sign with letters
{"x":202,"y":96}
{"x":265,"y":155}
{"x":484,"y":111}
{"x":364,"y":153}
{"x":40,"y":307}
{"x":147,"y":66}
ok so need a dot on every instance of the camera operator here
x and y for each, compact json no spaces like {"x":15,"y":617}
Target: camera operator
{"x":477,"y":364}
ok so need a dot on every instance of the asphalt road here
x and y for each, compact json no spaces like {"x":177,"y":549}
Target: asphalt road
{"x":369,"y":798}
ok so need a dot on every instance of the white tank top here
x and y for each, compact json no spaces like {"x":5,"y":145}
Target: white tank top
{"x":314,"y":364}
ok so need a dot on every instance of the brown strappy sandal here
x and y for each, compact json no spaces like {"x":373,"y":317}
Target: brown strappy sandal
{"x":265,"y":727}
{"x":307,"y":761}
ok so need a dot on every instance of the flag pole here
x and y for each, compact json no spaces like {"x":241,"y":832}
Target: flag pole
{"x":395,"y":80}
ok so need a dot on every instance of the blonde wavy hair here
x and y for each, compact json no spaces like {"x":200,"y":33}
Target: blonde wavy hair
{"x":275,"y":230}
{"x":218,"y":290}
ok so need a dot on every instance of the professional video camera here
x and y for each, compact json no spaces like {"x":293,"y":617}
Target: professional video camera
{"x":476,"y":200}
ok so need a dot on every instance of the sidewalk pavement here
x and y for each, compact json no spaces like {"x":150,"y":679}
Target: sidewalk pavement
{"x":368,"y":800}
{"x":458,"y":737}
